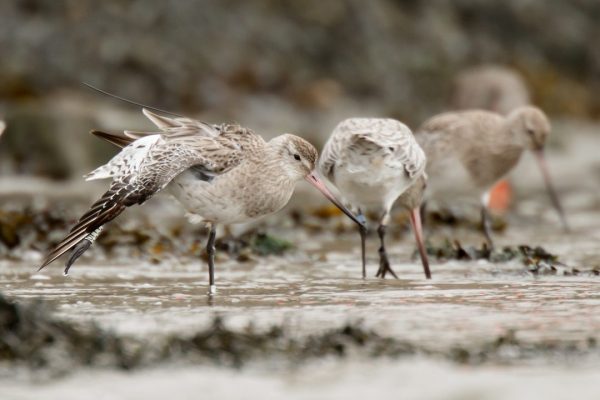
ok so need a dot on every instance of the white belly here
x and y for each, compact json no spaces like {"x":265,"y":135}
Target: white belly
{"x":206,"y":202}
{"x":371,"y":188}
{"x":449,"y":182}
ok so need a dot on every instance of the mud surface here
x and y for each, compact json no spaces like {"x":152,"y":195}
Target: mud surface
{"x":277,"y":318}
{"x":292,"y":316}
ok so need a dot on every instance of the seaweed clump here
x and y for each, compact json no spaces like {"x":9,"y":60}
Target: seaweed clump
{"x":30,"y":335}
{"x":537,"y":260}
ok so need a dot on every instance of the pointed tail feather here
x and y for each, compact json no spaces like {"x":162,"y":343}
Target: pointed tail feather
{"x":62,"y":248}
{"x":104,"y":210}
{"x":116,"y":139}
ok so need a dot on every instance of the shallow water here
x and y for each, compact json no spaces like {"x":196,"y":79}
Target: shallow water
{"x":320,"y":288}
{"x":317,"y":287}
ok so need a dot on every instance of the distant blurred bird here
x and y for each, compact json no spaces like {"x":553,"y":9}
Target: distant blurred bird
{"x":469,"y":151}
{"x":494,"y":88}
{"x":219,"y":173}
{"x":373,"y":162}
{"x":489,"y":87}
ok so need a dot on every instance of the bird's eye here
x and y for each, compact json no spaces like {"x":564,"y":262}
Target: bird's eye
{"x":297,"y":157}
{"x":530,"y":131}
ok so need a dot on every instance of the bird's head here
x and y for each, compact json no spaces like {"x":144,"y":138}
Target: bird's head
{"x":531,"y":125}
{"x":298,"y":158}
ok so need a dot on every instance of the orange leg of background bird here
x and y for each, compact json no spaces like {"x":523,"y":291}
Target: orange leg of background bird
{"x":500,"y":196}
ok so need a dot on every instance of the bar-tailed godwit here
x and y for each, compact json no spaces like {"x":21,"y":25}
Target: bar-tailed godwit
{"x":374,"y":162}
{"x":469,"y":151}
{"x":219,"y":173}
{"x":489,"y":87}
{"x":494,"y":88}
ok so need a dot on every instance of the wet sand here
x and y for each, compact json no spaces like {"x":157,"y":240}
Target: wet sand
{"x":316,"y":287}
{"x":309,"y":291}
{"x":328,"y":379}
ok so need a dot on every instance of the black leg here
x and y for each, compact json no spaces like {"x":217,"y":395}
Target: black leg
{"x":486,"y":225}
{"x":77,"y":251}
{"x":81,"y":248}
{"x":384,"y":263}
{"x":363,"y":239}
{"x":210,"y":249}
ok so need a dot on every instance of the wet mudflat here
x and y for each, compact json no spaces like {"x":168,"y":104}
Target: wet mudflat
{"x":327,"y":379}
{"x":551,"y":321}
{"x":303,"y":324}
{"x":467,"y":300}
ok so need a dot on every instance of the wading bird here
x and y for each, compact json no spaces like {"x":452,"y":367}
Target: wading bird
{"x":376,"y":162}
{"x":221,"y":174}
{"x":489,"y":87}
{"x":469,"y":151}
{"x":494,"y":88}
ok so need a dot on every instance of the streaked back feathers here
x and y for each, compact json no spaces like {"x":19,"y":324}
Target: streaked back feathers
{"x":359,"y":141}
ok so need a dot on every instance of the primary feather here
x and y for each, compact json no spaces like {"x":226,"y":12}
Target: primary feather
{"x":148,"y":164}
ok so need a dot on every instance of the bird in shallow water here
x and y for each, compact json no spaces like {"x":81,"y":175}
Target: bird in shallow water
{"x":469,"y":151}
{"x":494,"y":88}
{"x":221,"y":174}
{"x":376,"y":162}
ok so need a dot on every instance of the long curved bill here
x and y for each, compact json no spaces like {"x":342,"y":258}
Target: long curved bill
{"x":314,"y":180}
{"x":415,"y":220}
{"x":539,"y":155}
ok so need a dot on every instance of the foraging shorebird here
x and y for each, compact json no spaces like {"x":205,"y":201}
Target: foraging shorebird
{"x":376,"y":162}
{"x":494,"y":88}
{"x":489,"y":87}
{"x":221,"y":174}
{"x":469,"y":151}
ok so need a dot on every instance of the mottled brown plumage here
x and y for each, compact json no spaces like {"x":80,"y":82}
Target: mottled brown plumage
{"x":219,"y":173}
{"x":469,"y":151}
{"x":376,"y":162}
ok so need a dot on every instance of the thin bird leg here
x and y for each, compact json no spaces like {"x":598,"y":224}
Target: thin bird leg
{"x":423,"y":212}
{"x":362,"y":229}
{"x":415,"y":220}
{"x":384,"y":263}
{"x":81,"y":248}
{"x":486,"y":223}
{"x":210,"y":249}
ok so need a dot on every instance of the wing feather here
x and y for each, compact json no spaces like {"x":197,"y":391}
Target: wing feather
{"x":181,"y":126}
{"x":356,"y":138}
{"x":117,"y":140}
{"x":146,"y":165}
{"x":110,"y":205}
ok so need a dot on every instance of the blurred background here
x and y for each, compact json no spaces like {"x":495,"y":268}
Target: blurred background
{"x":301,"y":67}
{"x":271,"y":65}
